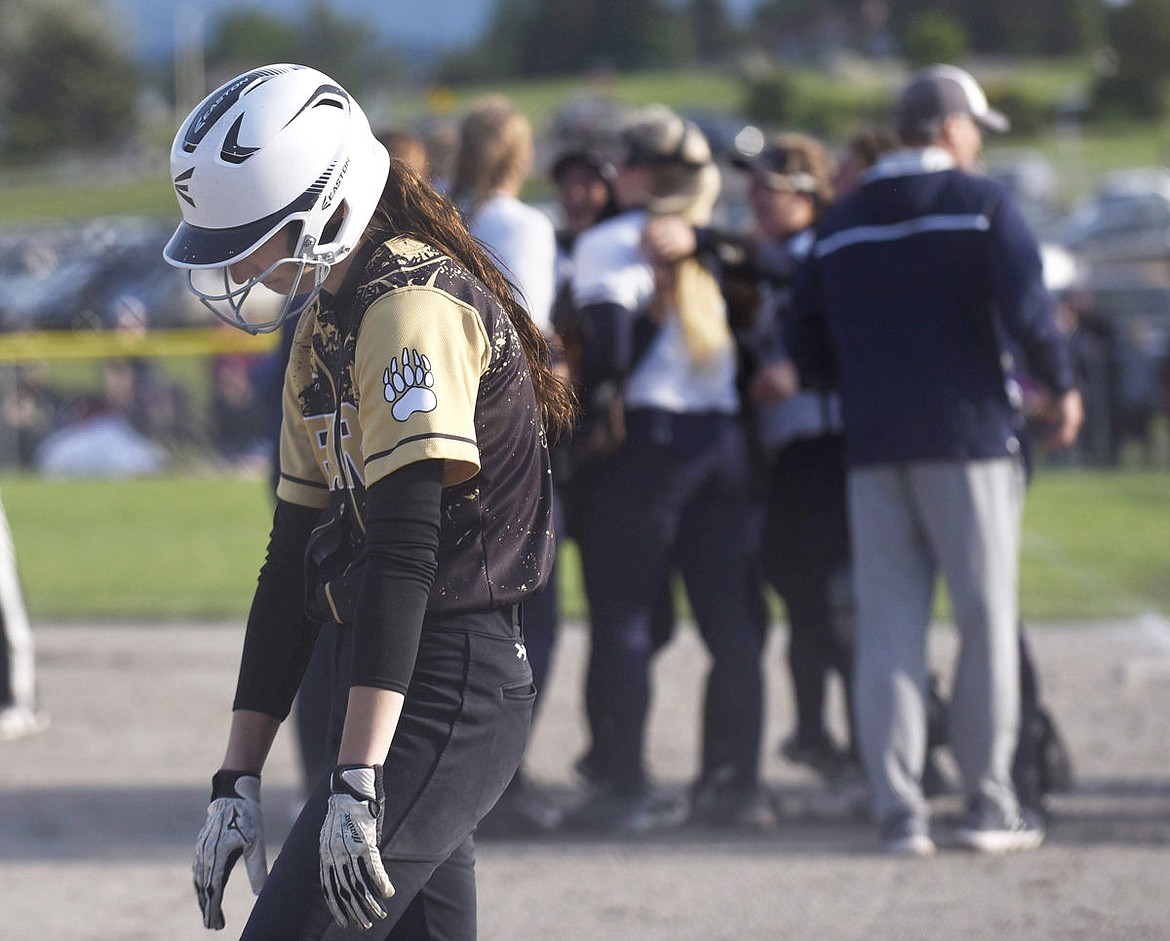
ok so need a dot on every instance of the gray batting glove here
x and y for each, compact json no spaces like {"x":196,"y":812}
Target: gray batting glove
{"x":352,"y":875}
{"x":234,"y":827}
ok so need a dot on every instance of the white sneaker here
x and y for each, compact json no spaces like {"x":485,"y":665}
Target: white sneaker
{"x":987,"y":830}
{"x":21,"y":722}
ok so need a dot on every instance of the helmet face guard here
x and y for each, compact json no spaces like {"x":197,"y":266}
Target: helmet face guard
{"x":230,"y":301}
{"x":276,"y":146}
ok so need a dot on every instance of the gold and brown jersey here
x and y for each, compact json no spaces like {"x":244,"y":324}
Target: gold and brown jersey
{"x":423,"y":363}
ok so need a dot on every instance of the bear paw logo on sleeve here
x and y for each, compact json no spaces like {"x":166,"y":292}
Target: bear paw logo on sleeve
{"x":408,"y":385}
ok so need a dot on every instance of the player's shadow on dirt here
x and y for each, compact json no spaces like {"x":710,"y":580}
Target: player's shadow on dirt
{"x":1132,"y":812}
{"x":160,"y":823}
{"x":1095,"y":812}
{"x":116,"y":824}
{"x":800,"y":827}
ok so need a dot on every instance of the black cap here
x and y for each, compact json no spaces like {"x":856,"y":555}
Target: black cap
{"x":582,"y":156}
{"x":942,"y":90}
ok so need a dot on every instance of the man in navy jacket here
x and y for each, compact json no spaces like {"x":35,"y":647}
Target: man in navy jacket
{"x":919,"y":285}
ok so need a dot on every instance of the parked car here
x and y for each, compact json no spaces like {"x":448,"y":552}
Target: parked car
{"x":94,"y":275}
{"x":1033,"y":180}
{"x":1121,"y":339}
{"x":1126,"y":222}
{"x":724,"y":130}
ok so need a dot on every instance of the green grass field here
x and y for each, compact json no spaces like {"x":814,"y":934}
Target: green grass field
{"x":1096,"y":545}
{"x":165,"y":547}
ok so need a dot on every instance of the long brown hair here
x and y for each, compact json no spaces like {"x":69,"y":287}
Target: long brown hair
{"x":410,"y":207}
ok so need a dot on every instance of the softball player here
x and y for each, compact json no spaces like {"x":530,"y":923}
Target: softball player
{"x":414,"y":508}
{"x":677,"y":493}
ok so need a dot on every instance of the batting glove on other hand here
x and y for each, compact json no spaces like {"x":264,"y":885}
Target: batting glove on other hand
{"x":352,"y":875}
{"x":234,"y":827}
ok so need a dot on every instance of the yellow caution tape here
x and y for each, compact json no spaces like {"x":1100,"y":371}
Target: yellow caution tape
{"x":180,"y":341}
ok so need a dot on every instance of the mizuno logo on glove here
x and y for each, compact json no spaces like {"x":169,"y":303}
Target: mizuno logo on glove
{"x":234,"y":828}
{"x":353,"y":878}
{"x":352,"y":827}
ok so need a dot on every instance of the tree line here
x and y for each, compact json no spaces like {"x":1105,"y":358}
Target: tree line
{"x":67,"y":80}
{"x":548,"y":37}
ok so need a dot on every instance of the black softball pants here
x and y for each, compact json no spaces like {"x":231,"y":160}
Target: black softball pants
{"x":461,"y":737}
{"x":680,"y":492}
{"x":806,"y":554}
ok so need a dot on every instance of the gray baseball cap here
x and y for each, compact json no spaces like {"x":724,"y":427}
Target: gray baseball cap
{"x":941,"y":90}
{"x":657,"y":137}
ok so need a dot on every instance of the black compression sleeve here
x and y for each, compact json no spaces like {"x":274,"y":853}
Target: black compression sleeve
{"x":402,"y":548}
{"x":613,"y":341}
{"x":606,"y":342}
{"x":279,"y":639}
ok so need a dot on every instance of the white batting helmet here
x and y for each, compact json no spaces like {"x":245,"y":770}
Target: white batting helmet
{"x":277,"y":145}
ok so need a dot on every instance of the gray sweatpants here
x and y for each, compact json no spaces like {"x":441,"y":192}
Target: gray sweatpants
{"x":909,"y":523}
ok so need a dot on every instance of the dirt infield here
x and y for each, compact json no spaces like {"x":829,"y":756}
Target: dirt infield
{"x":98,"y":814}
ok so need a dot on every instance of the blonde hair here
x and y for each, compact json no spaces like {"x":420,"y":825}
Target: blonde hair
{"x":684,"y":180}
{"x":495,"y":147}
{"x":676,"y":153}
{"x":697,"y":296}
